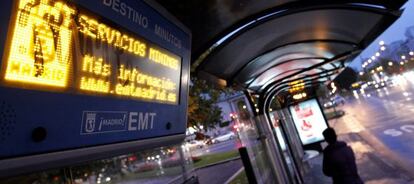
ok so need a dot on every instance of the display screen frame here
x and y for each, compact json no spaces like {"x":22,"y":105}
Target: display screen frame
{"x":51,"y":125}
{"x":323,"y":122}
{"x":73,"y":85}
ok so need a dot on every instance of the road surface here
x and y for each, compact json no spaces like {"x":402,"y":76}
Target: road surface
{"x":386,"y":115}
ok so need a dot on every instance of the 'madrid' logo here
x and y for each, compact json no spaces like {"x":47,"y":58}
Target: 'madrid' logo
{"x":90,"y":122}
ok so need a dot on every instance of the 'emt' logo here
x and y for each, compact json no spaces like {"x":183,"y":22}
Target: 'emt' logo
{"x":94,"y":122}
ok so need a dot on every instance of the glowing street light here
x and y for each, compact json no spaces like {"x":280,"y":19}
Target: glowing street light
{"x":373,"y":57}
{"x":382,"y":48}
{"x":411,"y":53}
{"x":377,"y":54}
{"x":361,"y":73}
{"x":333,"y":86}
{"x":390,"y":63}
{"x":401,"y":63}
{"x":369,"y":60}
{"x":381,"y":42}
{"x":402,"y":57}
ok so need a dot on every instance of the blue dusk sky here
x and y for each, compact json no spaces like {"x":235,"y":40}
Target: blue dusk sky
{"x":393,"y":33}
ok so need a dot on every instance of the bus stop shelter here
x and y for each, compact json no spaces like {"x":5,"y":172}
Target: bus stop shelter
{"x":263,"y":47}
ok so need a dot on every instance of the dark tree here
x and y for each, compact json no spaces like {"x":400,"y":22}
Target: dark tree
{"x":201,"y":107}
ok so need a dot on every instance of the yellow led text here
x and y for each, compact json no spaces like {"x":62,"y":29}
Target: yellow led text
{"x":96,"y":66}
{"x":41,"y":44}
{"x":96,"y":30}
{"x":97,"y":78}
{"x":163,"y":59}
{"x":134,"y":83}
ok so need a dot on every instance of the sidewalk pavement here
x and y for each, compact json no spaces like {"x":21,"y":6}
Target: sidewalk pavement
{"x":372,"y":167}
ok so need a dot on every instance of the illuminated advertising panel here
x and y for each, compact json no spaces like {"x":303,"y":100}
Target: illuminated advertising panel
{"x":309,"y":121}
{"x":78,"y":74}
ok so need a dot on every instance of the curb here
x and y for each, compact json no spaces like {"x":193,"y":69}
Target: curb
{"x":234,"y":175}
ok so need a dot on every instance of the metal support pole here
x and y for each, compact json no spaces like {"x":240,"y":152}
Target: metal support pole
{"x":248,"y":168}
{"x":183,"y":168}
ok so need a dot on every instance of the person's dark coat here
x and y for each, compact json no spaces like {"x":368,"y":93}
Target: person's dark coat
{"x":339,"y":163}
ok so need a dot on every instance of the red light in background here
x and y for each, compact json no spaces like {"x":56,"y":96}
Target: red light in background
{"x":132,"y":158}
{"x":56,"y":178}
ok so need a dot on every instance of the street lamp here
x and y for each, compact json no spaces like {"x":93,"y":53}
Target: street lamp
{"x":381,"y":42}
{"x":402,"y":57}
{"x":382,"y":48}
{"x":390,"y":63}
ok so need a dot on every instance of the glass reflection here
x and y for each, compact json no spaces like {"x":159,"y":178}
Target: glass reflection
{"x":160,"y":165}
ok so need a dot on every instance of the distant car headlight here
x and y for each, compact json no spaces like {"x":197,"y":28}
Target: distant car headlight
{"x":327,"y":104}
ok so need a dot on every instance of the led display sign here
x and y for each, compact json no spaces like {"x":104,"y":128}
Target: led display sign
{"x":309,"y":121}
{"x":85,"y":78}
{"x":295,"y":86}
{"x":57,"y":45}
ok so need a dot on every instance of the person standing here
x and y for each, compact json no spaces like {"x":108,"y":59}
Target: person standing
{"x":339,"y":160}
